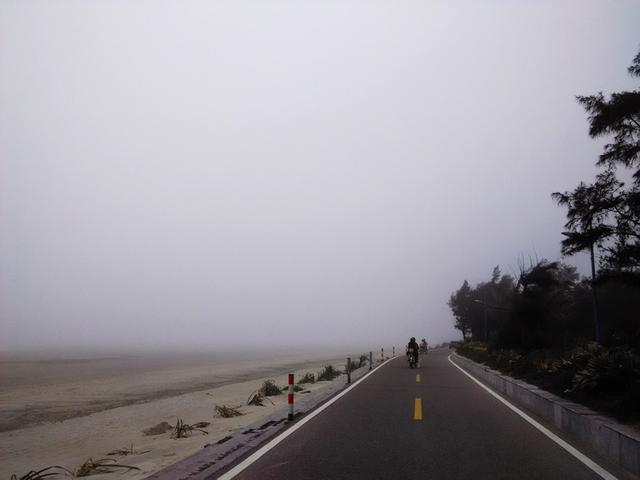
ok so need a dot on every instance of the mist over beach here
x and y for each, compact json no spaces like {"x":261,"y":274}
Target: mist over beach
{"x":215,"y":177}
{"x":199,"y":198}
{"x":37,"y":389}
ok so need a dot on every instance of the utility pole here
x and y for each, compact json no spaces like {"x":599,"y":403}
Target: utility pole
{"x":486,"y":329}
{"x":596,"y":320}
{"x":483,"y":302}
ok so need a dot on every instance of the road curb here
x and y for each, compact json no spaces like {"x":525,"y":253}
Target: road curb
{"x":618,"y":443}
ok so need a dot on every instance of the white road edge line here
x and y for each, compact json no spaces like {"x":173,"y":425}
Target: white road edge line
{"x":259,"y":453}
{"x":580,"y":456}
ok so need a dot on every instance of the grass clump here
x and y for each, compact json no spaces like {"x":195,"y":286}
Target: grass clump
{"x":227,"y":412}
{"x":103,"y":465}
{"x":123,"y":452}
{"x":269,"y":388}
{"x":353,"y":365}
{"x":183,"y":430}
{"x":257,"y":399}
{"x":296,"y":388}
{"x":48,"y":472}
{"x":307,"y":378}
{"x":363,"y":360}
{"x":328,"y":373}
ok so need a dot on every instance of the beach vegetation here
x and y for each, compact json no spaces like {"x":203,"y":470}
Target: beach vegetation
{"x":604,"y":378}
{"x":102,"y":465}
{"x":201,"y":424}
{"x":225,"y":411}
{"x":307,"y":378}
{"x":328,"y":373}
{"x":126,"y":451}
{"x":353,"y":365}
{"x":296,"y":388}
{"x":48,"y":472}
{"x":269,"y":388}
{"x":257,"y":399}
{"x":183,"y":430}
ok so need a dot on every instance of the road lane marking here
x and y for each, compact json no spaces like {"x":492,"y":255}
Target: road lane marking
{"x":273,"y":443}
{"x":580,"y":456}
{"x":417,"y":409}
{"x":418,"y":377}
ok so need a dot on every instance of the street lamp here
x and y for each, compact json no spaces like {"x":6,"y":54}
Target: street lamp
{"x":495,"y":307}
{"x":484,"y":304}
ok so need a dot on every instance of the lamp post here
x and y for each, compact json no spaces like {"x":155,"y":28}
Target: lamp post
{"x":484,"y":305}
{"x":596,"y":319}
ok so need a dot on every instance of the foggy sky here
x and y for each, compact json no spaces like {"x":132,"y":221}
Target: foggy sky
{"x":177,"y":173}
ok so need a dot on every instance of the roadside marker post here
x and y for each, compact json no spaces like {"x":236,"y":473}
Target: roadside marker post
{"x":370,"y":360}
{"x":290,"y":397}
{"x":348,"y":369}
{"x":393,"y":351}
{"x":381,"y":355}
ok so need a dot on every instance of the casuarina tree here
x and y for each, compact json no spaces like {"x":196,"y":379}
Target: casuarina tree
{"x":606,"y":214}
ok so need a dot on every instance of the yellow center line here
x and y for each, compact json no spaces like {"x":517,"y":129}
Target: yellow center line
{"x":418,"y":377}
{"x":417,"y":409}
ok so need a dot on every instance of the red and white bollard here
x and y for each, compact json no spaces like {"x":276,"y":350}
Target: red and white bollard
{"x":290,"y":399}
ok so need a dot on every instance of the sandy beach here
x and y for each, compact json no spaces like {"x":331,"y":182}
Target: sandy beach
{"x":89,"y":409}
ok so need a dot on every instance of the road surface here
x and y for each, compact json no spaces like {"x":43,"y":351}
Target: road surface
{"x":429,"y":423}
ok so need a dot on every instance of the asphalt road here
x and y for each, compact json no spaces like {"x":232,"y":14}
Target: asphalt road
{"x":377,"y":431}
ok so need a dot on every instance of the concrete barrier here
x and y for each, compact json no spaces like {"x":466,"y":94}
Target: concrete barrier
{"x":618,"y":443}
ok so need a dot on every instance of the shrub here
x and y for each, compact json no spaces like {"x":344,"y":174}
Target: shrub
{"x":227,"y":412}
{"x":296,"y":388}
{"x":104,"y":465}
{"x":183,"y":430}
{"x":614,"y":371}
{"x":52,"y":471}
{"x":269,"y":388}
{"x":256,"y":399}
{"x":350,"y":367}
{"x":307,"y":378}
{"x":328,"y":373}
{"x":602,"y":378}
